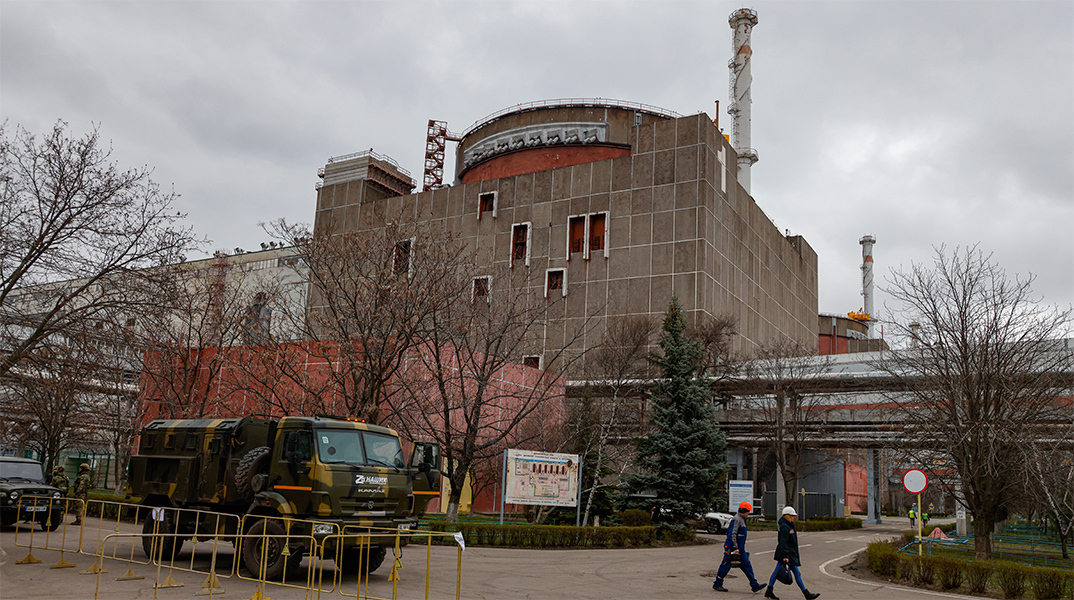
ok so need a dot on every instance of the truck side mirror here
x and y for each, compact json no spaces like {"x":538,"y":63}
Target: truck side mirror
{"x":426,"y":457}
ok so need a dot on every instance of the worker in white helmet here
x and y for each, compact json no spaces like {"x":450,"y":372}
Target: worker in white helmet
{"x":787,"y":555}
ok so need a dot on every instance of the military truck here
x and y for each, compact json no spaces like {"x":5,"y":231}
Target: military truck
{"x":24,"y":495}
{"x":334,"y":471}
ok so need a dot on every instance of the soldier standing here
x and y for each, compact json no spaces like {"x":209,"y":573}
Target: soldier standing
{"x":60,"y":481}
{"x":81,"y":491}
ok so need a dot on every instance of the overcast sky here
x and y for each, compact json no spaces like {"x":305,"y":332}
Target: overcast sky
{"x":921,"y":123}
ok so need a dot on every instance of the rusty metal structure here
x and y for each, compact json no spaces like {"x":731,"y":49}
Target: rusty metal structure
{"x":435,"y":142}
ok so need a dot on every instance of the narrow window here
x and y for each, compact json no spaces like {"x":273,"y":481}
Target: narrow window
{"x":481,"y":287}
{"x":533,"y":362}
{"x":596,"y":231}
{"x":520,"y":243}
{"x":486,"y":203}
{"x":401,"y":262}
{"x":555,"y":279}
{"x":576,"y":235}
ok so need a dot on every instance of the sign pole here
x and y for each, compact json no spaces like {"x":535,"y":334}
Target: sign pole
{"x":919,"y":519}
{"x":503,"y":485}
{"x":578,"y":503}
{"x":916,"y":482}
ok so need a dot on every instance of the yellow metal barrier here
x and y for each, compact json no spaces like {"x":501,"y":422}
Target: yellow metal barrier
{"x":273,"y":544}
{"x":49,"y":513}
{"x":278,"y":545}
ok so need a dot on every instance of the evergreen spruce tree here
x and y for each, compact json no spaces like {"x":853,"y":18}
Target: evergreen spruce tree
{"x":683,"y":459}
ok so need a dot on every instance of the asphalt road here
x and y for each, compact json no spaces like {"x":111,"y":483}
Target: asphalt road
{"x":500,"y":574}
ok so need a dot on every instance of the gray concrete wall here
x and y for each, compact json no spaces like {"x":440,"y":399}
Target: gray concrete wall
{"x":677,"y":222}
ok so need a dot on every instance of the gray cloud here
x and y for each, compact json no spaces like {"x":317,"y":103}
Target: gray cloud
{"x":923,"y":124}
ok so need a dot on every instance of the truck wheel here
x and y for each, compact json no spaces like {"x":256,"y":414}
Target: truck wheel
{"x":167,"y":546}
{"x":53,"y":524}
{"x":252,"y":463}
{"x":294,"y":563}
{"x":265,"y":538}
{"x":353,"y":564}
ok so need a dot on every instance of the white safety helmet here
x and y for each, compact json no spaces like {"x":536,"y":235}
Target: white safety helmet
{"x":789,"y":510}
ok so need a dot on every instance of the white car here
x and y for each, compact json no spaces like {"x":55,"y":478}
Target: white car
{"x":717,"y":522}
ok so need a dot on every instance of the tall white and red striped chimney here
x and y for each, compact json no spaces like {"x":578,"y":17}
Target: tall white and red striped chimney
{"x":742,"y":21}
{"x":867,"y":278}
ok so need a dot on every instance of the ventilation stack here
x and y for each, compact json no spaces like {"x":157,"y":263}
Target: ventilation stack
{"x":867,"y":279}
{"x":742,"y":21}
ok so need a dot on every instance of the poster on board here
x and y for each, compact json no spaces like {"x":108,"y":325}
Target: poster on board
{"x":738,"y":491}
{"x":541,"y":478}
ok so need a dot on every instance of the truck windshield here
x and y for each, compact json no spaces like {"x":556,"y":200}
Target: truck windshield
{"x":358,"y":447}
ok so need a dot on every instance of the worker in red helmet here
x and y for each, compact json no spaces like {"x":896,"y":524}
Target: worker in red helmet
{"x":734,"y":551}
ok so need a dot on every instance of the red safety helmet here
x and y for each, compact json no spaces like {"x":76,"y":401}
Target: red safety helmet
{"x":745,"y":506}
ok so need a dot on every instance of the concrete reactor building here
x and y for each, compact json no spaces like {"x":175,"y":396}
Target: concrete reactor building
{"x":613,"y":205}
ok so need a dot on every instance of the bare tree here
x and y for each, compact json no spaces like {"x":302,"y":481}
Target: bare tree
{"x":786,"y":417}
{"x":49,"y":401}
{"x":464,"y":386}
{"x":1050,"y":468}
{"x":114,"y":414}
{"x":609,"y":410}
{"x":370,"y":295}
{"x":715,"y":335}
{"x":75,"y":231}
{"x":283,"y":378}
{"x":204,"y":312}
{"x":986,"y":377}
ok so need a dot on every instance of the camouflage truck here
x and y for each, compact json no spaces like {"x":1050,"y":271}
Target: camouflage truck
{"x":336,"y":472}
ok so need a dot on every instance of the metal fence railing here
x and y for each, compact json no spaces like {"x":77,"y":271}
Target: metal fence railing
{"x":156,"y":544}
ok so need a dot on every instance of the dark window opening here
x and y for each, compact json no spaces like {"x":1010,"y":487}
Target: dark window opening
{"x":533,"y":362}
{"x":486,"y":203}
{"x":596,"y":232}
{"x":554,"y":281}
{"x":258,"y":320}
{"x":401,"y":263}
{"x":519,"y":242}
{"x":481,"y":287}
{"x":576,"y":233}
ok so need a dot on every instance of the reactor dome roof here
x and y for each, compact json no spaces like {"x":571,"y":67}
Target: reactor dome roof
{"x":543,"y":135}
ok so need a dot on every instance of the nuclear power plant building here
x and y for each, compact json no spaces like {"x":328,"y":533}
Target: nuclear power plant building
{"x":613,"y":205}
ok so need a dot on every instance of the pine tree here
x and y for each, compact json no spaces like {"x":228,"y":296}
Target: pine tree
{"x":683,"y":459}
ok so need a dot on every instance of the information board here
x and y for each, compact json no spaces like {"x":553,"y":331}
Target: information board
{"x":738,"y":491}
{"x":541,"y":478}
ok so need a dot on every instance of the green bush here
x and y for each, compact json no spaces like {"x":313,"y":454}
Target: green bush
{"x":882,"y":558}
{"x":905,"y":570}
{"x":636,"y":517}
{"x":922,"y":571}
{"x":556,"y":536}
{"x":818,"y":524}
{"x":1013,"y":582}
{"x":977,"y":576}
{"x":1049,"y":584}
{"x":950,"y":573}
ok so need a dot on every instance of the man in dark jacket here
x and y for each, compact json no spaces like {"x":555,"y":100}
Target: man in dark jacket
{"x":787,"y":554}
{"x":734,"y":551}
